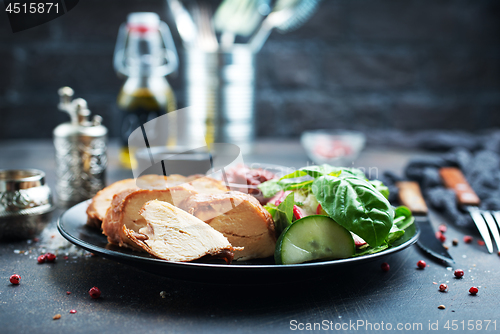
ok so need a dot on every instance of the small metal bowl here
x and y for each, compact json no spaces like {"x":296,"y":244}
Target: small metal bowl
{"x":26,"y":203}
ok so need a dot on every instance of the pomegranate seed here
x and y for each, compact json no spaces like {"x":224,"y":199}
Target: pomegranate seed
{"x":421,"y":264}
{"x":480,"y":243}
{"x":49,"y":257}
{"x":385,"y":266}
{"x":459,"y":273}
{"x":297,"y":212}
{"x":95,"y":292}
{"x":15,"y":279}
{"x":443,"y":287}
{"x":442,"y":228}
{"x":41,"y":259}
{"x":72,"y":311}
{"x":473,"y":290}
{"x":467,"y":239}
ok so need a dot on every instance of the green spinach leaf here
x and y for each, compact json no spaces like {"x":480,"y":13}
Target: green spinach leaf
{"x":403,"y":217}
{"x":394,"y":234}
{"x":355,"y":204}
{"x":283,"y":215}
{"x":371,"y":250}
{"x":271,"y":208}
{"x":269,"y":188}
{"x":380,"y":186}
{"x":317,"y":171}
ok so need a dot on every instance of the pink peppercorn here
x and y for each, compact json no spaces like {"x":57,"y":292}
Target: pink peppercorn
{"x":95,"y":292}
{"x":15,"y":279}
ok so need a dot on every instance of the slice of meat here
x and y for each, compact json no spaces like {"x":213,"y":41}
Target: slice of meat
{"x":102,"y":200}
{"x":240,"y":218}
{"x":125,"y":207}
{"x":208,"y":185}
{"x":174,"y":235}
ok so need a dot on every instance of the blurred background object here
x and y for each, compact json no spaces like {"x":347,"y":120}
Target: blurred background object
{"x":333,"y":147}
{"x":81,"y":151}
{"x":220,"y":61}
{"x":26,"y":204}
{"x":144,"y":53}
{"x":364,"y":65}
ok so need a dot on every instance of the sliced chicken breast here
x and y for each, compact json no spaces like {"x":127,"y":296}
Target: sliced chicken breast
{"x":102,"y":200}
{"x":174,"y":235}
{"x":240,"y":218}
{"x":125,"y":207}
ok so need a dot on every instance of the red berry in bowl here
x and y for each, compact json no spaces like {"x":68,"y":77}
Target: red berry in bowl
{"x":443,"y":287}
{"x":459,"y":273}
{"x":41,"y":259}
{"x":473,"y":290}
{"x":385,"y":266}
{"x":421,"y":264}
{"x":15,"y":279}
{"x":95,"y":292}
{"x":49,"y":257}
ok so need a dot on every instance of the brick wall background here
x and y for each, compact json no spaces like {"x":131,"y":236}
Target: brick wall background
{"x":358,"y":64}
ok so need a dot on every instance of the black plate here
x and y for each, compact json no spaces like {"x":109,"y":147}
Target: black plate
{"x":72,"y":226}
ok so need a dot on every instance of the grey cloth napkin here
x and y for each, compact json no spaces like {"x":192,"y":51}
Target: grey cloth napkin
{"x":481,"y":167}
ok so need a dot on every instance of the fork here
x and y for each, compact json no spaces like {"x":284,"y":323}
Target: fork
{"x":485,"y":220}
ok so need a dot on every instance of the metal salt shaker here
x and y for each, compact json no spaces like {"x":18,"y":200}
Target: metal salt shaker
{"x":80,"y":151}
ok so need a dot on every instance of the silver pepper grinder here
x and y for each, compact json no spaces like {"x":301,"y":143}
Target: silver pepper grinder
{"x":80,"y":151}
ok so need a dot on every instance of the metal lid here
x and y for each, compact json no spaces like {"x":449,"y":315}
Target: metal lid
{"x":16,"y":179}
{"x":23,"y":192}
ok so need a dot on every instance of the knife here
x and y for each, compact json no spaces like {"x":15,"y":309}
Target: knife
{"x":453,"y":178}
{"x":411,"y":196}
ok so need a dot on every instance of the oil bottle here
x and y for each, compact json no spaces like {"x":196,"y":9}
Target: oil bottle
{"x":145,"y":53}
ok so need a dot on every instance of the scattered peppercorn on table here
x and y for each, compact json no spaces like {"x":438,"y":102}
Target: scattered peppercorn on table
{"x":76,"y":292}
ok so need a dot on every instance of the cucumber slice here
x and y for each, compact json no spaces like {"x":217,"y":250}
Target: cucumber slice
{"x":312,"y":238}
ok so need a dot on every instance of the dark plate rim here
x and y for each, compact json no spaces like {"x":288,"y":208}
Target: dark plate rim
{"x":235,"y":266}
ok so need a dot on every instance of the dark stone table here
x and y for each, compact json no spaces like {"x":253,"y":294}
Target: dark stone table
{"x":131,"y":301}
